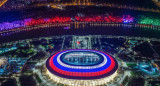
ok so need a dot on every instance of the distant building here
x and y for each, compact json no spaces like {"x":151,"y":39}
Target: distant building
{"x":3,"y":66}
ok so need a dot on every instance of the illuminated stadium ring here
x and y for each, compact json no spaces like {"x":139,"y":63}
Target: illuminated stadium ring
{"x":102,"y":62}
{"x":68,"y":64}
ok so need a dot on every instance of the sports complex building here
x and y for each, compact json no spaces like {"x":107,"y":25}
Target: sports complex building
{"x":81,"y":67}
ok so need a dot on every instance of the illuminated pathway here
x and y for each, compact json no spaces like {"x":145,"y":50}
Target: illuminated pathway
{"x":95,"y":4}
{"x":2,"y":2}
{"x":156,"y":2}
{"x":80,"y":22}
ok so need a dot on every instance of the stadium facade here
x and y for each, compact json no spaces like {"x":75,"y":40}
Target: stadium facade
{"x":81,"y":67}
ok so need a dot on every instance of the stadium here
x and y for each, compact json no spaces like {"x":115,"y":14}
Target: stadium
{"x":82,"y":67}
